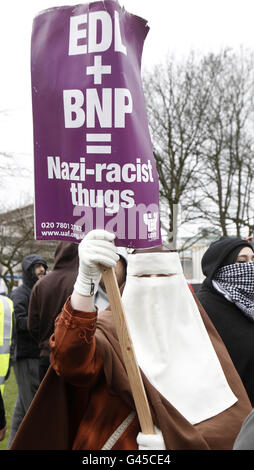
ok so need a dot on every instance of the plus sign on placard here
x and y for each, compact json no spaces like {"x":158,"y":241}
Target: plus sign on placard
{"x":98,"y":70}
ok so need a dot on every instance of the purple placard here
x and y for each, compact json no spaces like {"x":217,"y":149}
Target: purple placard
{"x":93,"y":158}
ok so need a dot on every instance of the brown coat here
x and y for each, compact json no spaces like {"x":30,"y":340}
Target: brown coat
{"x":84,"y":415}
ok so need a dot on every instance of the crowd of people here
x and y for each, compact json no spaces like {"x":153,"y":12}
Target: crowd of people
{"x":194,"y":351}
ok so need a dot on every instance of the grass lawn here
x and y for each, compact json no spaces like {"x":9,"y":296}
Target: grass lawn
{"x":10,"y":394}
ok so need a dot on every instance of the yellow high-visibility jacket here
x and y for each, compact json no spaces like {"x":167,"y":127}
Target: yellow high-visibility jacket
{"x":6,"y":313}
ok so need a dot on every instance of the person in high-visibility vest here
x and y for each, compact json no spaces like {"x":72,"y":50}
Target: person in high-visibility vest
{"x":6,"y":313}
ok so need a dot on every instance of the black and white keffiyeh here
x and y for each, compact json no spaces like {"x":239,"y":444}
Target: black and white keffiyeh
{"x":236,"y":282}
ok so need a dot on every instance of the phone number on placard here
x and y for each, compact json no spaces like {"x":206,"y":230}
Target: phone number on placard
{"x":61,"y":225}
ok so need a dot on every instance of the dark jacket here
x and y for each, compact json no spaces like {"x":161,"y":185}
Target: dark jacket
{"x":235,"y":329}
{"x":23,"y":344}
{"x":50,"y":293}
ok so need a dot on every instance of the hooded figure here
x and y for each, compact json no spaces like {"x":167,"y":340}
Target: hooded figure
{"x":227,"y":295}
{"x":48,"y":297}
{"x":196,"y":397}
{"x":24,"y":349}
{"x":25,"y":346}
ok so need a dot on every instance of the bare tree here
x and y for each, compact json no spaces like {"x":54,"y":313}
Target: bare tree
{"x":227,"y":177}
{"x":200,"y":113}
{"x":17,"y":240}
{"x":177,"y":97}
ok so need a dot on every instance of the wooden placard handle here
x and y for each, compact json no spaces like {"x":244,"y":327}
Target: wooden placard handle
{"x":132,"y":368}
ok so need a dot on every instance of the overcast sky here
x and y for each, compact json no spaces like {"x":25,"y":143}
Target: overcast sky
{"x":176,"y":27}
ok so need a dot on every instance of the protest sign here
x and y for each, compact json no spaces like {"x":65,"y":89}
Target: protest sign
{"x":93,"y":158}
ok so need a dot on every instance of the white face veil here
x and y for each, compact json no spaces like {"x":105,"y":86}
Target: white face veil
{"x":170,"y":340}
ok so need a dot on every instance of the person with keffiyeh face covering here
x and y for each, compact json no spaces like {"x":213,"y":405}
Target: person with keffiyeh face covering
{"x":227,"y":295}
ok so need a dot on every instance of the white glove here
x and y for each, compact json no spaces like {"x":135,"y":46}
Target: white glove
{"x":151,"y":441}
{"x":96,"y":248}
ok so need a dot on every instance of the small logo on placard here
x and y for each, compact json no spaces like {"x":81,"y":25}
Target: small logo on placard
{"x":151,"y":221}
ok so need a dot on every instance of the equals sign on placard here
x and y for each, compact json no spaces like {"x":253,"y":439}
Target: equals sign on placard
{"x":94,"y":140}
